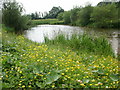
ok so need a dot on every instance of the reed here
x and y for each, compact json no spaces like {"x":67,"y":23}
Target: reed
{"x":83,"y":43}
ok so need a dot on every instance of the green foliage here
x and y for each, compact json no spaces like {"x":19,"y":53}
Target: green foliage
{"x":74,"y":15}
{"x":35,"y":15}
{"x":66,"y":17}
{"x":105,"y":16}
{"x":83,"y":43}
{"x":60,"y":16}
{"x":84,"y":15}
{"x":46,"y":21}
{"x":26,"y":64}
{"x":53,"y":13}
{"x":12,"y":16}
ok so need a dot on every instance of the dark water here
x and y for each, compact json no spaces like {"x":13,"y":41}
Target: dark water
{"x":38,"y":33}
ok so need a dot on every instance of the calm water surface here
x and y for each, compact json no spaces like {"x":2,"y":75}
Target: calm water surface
{"x":38,"y":33}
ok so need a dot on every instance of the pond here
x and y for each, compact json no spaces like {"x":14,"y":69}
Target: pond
{"x":38,"y":33}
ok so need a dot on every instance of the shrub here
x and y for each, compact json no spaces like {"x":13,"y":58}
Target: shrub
{"x":60,"y":16}
{"x":66,"y":17}
{"x":84,"y":15}
{"x":12,"y":16}
{"x":105,"y":16}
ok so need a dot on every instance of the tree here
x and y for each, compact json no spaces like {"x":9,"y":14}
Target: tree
{"x":12,"y":15}
{"x":32,"y":15}
{"x":60,"y":16}
{"x":53,"y":13}
{"x":74,"y":15}
{"x":84,"y":15}
{"x":36,"y":15}
{"x":66,"y":17}
{"x":105,"y":16}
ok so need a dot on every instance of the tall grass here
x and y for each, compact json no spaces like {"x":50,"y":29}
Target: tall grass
{"x":83,"y":43}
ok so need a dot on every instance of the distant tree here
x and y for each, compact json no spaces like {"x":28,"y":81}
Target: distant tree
{"x":53,"y":13}
{"x":60,"y":16}
{"x":40,"y":15}
{"x":36,"y":15}
{"x":45,"y":15}
{"x":12,"y":16}
{"x":32,"y":15}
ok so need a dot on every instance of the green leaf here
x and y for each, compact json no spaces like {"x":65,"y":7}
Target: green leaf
{"x":35,"y":71}
{"x":40,"y":84}
{"x":114,"y":77}
{"x":100,"y":72}
{"x":94,"y":70}
{"x":53,"y":76}
{"x":6,"y":85}
{"x":86,"y":80}
{"x":49,"y":80}
{"x":38,"y":69}
{"x":91,"y":67}
{"x":56,"y":77}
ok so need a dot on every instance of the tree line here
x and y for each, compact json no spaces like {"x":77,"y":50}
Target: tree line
{"x":53,"y":13}
{"x":100,"y":16}
{"x":104,"y":15}
{"x":12,"y":15}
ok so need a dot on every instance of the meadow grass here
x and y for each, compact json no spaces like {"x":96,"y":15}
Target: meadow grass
{"x":26,"y":64}
{"x":47,"y":21}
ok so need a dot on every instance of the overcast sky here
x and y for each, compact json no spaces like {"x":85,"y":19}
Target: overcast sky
{"x":32,"y":6}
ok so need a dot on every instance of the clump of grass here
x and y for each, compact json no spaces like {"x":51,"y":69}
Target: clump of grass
{"x":83,"y":43}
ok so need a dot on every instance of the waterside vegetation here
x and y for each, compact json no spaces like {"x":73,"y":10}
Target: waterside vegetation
{"x":81,"y":61}
{"x":26,"y":64}
{"x":47,"y":21}
{"x":100,"y":16}
{"x":104,"y":16}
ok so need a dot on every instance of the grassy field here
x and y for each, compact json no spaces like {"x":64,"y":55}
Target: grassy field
{"x":47,"y":21}
{"x":26,"y":64}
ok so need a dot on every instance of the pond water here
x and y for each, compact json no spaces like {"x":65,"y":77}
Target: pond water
{"x":38,"y":33}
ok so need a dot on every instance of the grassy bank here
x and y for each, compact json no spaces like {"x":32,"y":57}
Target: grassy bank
{"x":47,"y":21}
{"x":28,"y":64}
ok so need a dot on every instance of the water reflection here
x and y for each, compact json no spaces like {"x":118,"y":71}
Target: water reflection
{"x":38,"y":33}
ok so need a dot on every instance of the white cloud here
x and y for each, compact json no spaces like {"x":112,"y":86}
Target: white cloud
{"x":45,"y":5}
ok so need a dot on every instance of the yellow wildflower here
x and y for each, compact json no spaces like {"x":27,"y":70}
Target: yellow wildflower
{"x":23,"y":86}
{"x":82,"y":84}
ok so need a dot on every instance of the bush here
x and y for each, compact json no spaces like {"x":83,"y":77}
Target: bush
{"x":74,"y":15}
{"x":60,"y":16}
{"x":66,"y":17}
{"x":84,"y":15}
{"x":12,"y":16}
{"x":105,"y":16}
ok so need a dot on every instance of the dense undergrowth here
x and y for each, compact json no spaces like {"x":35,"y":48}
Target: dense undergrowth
{"x":29,"y":64}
